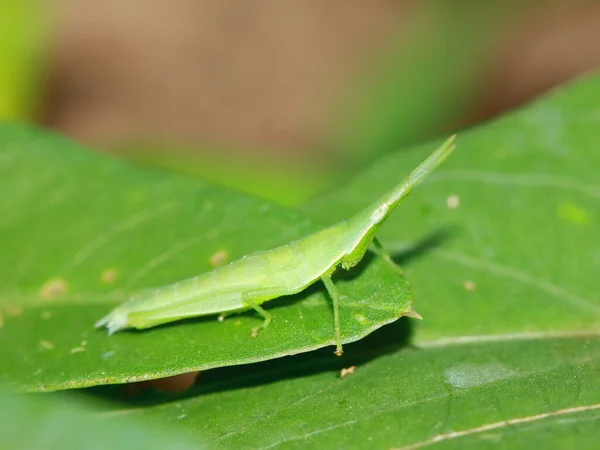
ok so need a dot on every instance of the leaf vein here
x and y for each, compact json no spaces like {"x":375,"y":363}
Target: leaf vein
{"x":518,"y":179}
{"x":126,"y":225}
{"x":518,"y":275}
{"x":499,"y":425}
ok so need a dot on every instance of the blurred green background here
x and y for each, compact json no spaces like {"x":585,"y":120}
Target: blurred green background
{"x":280,"y":101}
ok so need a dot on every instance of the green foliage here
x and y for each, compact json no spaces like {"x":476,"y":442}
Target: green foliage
{"x":408,"y":396}
{"x":500,"y":247}
{"x":67,"y":424}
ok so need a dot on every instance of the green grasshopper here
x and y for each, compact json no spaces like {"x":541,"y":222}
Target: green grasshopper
{"x":259,"y":277}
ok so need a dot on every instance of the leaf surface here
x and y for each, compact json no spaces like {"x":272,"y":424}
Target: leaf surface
{"x":501,"y":394}
{"x":69,"y":424}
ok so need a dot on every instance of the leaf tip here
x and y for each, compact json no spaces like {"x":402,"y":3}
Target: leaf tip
{"x":413,"y":314}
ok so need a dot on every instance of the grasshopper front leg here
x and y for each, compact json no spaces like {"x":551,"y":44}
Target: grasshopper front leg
{"x":380,"y":251}
{"x":335,"y":298}
{"x":251,"y":299}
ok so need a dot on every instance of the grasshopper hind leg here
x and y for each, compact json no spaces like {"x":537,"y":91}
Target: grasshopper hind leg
{"x":253,"y":299}
{"x":335,"y":298}
{"x":266,"y":315}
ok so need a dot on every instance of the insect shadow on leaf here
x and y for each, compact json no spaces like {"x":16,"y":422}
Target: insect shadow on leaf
{"x":422,"y":247}
{"x":389,"y":339}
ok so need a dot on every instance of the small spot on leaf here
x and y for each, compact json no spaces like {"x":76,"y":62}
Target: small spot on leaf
{"x":45,"y":315}
{"x":108,"y":354}
{"x":347,"y":371}
{"x":469,"y":285}
{"x":361,"y":318}
{"x":468,"y":375}
{"x":219,"y":258}
{"x":53,"y":288}
{"x":573,"y":213}
{"x":453,"y":201}
{"x":46,"y":345}
{"x":109,"y":276}
{"x":77,"y":350}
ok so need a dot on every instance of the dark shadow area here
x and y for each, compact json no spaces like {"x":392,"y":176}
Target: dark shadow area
{"x":385,"y":340}
{"x":348,"y":275}
{"x":422,"y":247}
{"x":388,"y":339}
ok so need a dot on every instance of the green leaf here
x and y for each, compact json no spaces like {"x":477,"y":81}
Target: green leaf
{"x":65,"y":424}
{"x":503,"y":394}
{"x":80,"y":232}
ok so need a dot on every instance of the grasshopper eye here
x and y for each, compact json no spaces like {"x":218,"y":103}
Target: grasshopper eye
{"x":379,"y":214}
